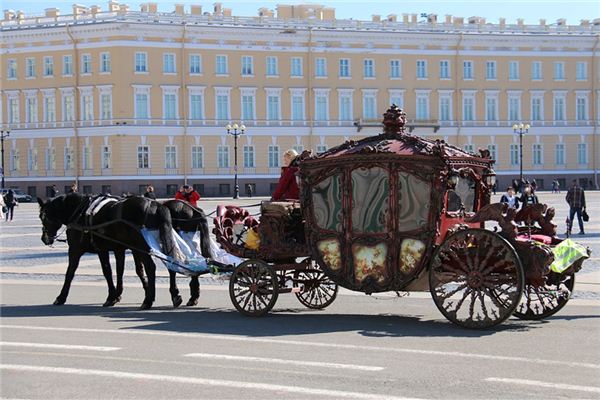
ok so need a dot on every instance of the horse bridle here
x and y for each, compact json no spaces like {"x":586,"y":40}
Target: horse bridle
{"x":70,"y":220}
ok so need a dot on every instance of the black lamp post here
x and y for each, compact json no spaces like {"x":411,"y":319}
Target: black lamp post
{"x":521,"y":129}
{"x":236,"y":131}
{"x":3,"y":134}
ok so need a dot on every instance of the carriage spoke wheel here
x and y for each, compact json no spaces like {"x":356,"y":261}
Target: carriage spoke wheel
{"x":317,"y":289}
{"x":253,"y":288}
{"x":541,"y":302}
{"x":476,"y":278}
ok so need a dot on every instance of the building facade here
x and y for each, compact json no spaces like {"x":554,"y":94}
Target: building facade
{"x":117,"y":99}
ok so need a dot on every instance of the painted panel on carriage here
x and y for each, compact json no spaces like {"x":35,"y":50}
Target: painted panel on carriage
{"x":411,"y":252}
{"x":413,"y":202}
{"x":327,"y":203}
{"x":369,"y":261}
{"x":370,"y":200}
{"x":330,"y":252}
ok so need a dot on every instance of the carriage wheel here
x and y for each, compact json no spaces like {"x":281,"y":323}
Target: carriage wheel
{"x":253,"y":288}
{"x":541,"y":302}
{"x":476,"y":278}
{"x":319,"y":291}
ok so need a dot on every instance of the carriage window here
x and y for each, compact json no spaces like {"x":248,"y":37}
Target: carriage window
{"x":327,"y":204}
{"x":413,"y":202}
{"x":465,"y":192}
{"x":370,"y":196}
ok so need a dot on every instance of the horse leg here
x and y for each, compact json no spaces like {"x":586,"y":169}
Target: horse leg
{"x":194,"y":291}
{"x":107,"y":272}
{"x":150,"y":268}
{"x":139,"y":270}
{"x":120,"y":261}
{"x":175,"y":297}
{"x":74,"y":256}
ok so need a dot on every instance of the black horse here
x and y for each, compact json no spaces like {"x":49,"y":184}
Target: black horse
{"x":115,"y":227}
{"x":188,"y":218}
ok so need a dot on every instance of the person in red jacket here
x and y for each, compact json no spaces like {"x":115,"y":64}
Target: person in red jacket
{"x":287,"y":187}
{"x":187,"y":193}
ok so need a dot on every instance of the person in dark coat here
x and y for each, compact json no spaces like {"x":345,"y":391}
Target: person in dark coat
{"x":150,"y":192}
{"x":528,"y":197}
{"x":53,"y":191}
{"x":11,"y":203}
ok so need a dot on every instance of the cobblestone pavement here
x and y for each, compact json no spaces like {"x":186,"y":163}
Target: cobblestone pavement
{"x":24,"y":256}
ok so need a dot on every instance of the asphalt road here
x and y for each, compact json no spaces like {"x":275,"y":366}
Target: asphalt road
{"x":364,"y":347}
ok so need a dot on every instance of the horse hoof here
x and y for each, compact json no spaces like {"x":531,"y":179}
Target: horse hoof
{"x":109,"y":303}
{"x":145,"y":306}
{"x":177,"y":301}
{"x":118,"y":299}
{"x":59,"y":301}
{"x":192,"y":302}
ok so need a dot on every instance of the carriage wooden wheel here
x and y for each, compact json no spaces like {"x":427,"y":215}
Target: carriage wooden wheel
{"x":253,"y":288}
{"x":541,"y":302}
{"x":476,"y":278}
{"x":318,"y":290}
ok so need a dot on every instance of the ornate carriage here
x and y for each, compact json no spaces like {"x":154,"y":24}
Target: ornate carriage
{"x":397,"y":212}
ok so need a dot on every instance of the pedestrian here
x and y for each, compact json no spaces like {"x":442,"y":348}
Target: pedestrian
{"x":287,"y":187}
{"x":187,"y":193}
{"x":494,"y":187}
{"x":510,"y":198}
{"x":576,"y":200}
{"x":150,"y":192}
{"x":591,"y":184}
{"x":249,"y":190}
{"x":2,"y":208}
{"x":53,"y":191}
{"x":73,"y":188}
{"x":11,"y":203}
{"x":557,"y":186}
{"x":528,"y":197}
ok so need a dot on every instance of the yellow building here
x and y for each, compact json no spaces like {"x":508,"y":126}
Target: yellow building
{"x":116,"y":99}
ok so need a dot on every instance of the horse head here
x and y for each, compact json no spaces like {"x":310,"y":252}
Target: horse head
{"x":51,"y":221}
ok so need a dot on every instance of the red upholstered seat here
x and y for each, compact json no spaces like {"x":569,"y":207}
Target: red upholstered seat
{"x":538,"y":238}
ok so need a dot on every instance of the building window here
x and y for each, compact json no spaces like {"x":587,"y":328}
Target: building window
{"x":11,"y":69}
{"x":13,"y":110}
{"x":444,"y":69}
{"x":50,"y":158}
{"x":559,"y":154}
{"x":422,"y":107}
{"x":197,"y":157}
{"x":369,"y":107}
{"x":514,"y":109}
{"x":170,"y":106}
{"x":536,"y":109}
{"x":299,"y":148}
{"x":223,"y":107}
{"x":296,"y":67}
{"x":169,"y":63}
{"x":223,"y":156}
{"x":395,"y":69}
{"x":68,"y":108}
{"x":106,"y":157}
{"x":468,"y":112}
{"x":344,"y":68}
{"x":48,"y":66}
{"x":105,"y":106}
{"x":490,"y":70}
{"x":493,"y":152}
{"x":444,"y":109}
{"x":345,"y":107}
{"x":559,"y":108}
{"x":141,"y":62}
{"x":248,"y":107}
{"x":421,"y":69}
{"x":31,"y":107}
{"x":581,"y":109}
{"x":195,"y":64}
{"x":15,"y":160}
{"x":559,"y":70}
{"x":32,"y":159}
{"x":581,"y":71}
{"x":321,"y":67}
{"x":321,"y":108}
{"x":247,"y":67}
{"x":141,"y":106}
{"x":86,"y":157}
{"x":273,"y":108}
{"x":536,"y":70}
{"x":224,"y":189}
{"x":297,"y":107}
{"x":69,"y":161}
{"x":273,"y":156}
{"x":369,"y":68}
{"x":30,"y":67}
{"x":87,"y":107}
{"x":170,"y":157}
{"x":196,"y":107}
{"x":143,"y":156}
{"x":468,"y":148}
{"x":49,"y":109}
{"x":321,"y":148}
{"x":221,"y":65}
{"x":514,"y":154}
{"x":537,"y":154}
{"x":491,"y":109}
{"x":67,"y":65}
{"x":248,"y":156}
{"x":105,"y":66}
{"x":86,"y":64}
{"x":513,"y":70}
{"x":467,"y":70}
{"x":272,"y":66}
{"x":582,"y":153}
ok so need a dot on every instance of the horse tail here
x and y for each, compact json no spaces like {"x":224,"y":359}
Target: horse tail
{"x":165,"y":229}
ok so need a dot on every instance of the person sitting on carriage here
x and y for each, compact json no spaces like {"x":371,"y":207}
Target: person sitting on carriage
{"x":529,"y":197}
{"x":287,"y":187}
{"x":187,"y":193}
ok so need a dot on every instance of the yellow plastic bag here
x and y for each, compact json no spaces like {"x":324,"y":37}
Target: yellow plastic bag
{"x":252,"y":240}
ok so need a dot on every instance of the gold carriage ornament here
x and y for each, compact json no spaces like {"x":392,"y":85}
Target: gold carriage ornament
{"x":398,"y":212}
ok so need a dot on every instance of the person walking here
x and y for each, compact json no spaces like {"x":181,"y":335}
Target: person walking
{"x":150,"y":192}
{"x":53,"y":191}
{"x":11,"y":203}
{"x":187,"y":193}
{"x":510,"y":198}
{"x":576,"y":200}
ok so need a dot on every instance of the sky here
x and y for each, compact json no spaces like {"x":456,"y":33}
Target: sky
{"x":530,"y":10}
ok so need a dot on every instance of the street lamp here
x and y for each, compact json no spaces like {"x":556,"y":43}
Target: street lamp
{"x":3,"y":135}
{"x":521,"y":129}
{"x":235,"y":130}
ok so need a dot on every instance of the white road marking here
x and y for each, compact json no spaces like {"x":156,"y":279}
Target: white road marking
{"x":489,"y":357}
{"x":283,"y":361}
{"x":58,"y":346}
{"x":563,"y":386}
{"x":304,"y":391}
{"x":16,"y":235}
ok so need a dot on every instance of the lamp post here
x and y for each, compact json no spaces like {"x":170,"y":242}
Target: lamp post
{"x":3,"y":135}
{"x":235,"y":130}
{"x":521,"y":129}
